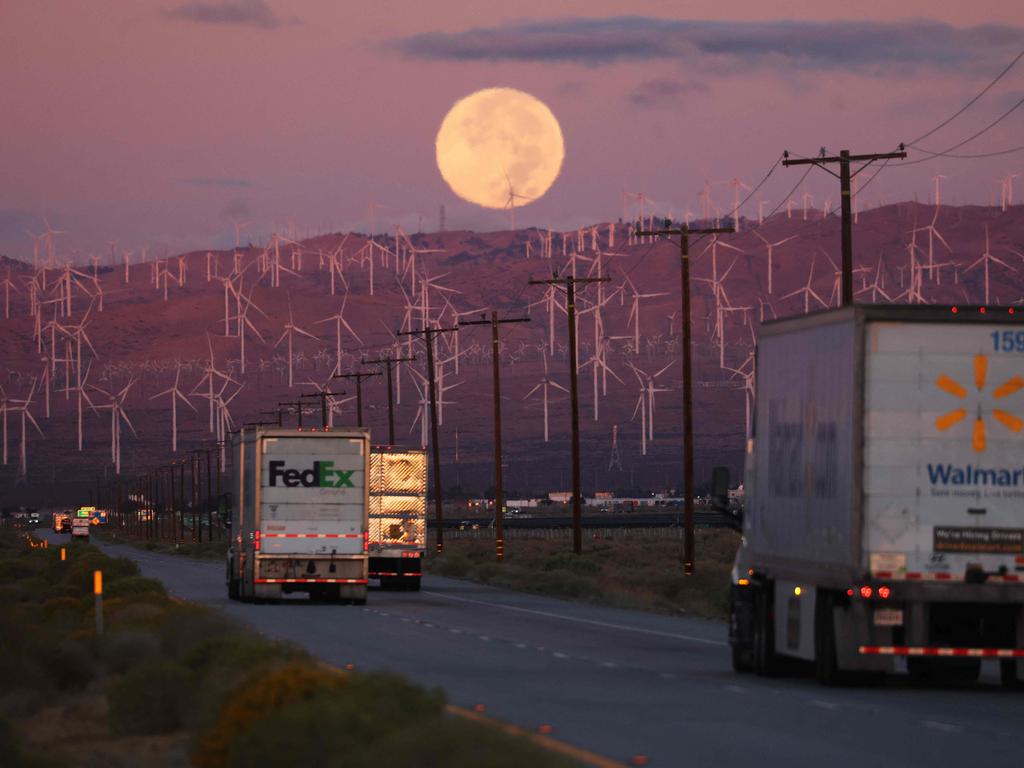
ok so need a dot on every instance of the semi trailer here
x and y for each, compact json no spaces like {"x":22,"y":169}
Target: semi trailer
{"x":299,"y":518}
{"x":884,"y":523}
{"x":398,"y":516}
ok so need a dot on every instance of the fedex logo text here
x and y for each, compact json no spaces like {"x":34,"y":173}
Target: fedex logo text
{"x":321,"y":475}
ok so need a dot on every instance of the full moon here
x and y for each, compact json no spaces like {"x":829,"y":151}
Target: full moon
{"x":500,"y":148}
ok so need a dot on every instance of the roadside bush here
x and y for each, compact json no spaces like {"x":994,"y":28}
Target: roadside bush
{"x":569,"y":561}
{"x":131,"y":588}
{"x":455,"y":565}
{"x":69,"y":664}
{"x":266,"y":693}
{"x":372,"y":707}
{"x":124,"y":649}
{"x":561,"y":583}
{"x":151,"y":698}
{"x":182,"y":627}
{"x":14,"y":756}
{"x":220,"y":664}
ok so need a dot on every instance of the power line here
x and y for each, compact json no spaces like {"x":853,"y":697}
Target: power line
{"x":970,"y":103}
{"x":970,"y":138}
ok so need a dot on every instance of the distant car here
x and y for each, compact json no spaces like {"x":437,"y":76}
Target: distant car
{"x":80,"y":528}
{"x":34,"y":519}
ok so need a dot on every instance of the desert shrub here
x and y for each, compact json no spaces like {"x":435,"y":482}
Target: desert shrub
{"x":12,"y":569}
{"x":455,"y":565}
{"x":127,"y":648}
{"x":182,"y":627}
{"x":263,"y":695}
{"x":486,"y":572}
{"x":561,"y":583}
{"x":15,"y":756}
{"x":69,"y":664}
{"x":371,"y":707}
{"x":135,"y":587}
{"x":150,"y":698}
{"x":220,"y":664}
{"x":568,"y":561}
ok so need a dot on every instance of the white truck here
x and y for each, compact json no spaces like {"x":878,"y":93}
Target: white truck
{"x":299,"y":517}
{"x":398,"y":516}
{"x":884,"y":522}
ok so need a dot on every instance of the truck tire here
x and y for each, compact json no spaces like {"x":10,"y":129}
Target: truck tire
{"x":741,"y":617}
{"x":766,"y":663}
{"x":826,"y":668}
{"x":232,"y":581}
{"x":412,"y":584}
{"x":1008,"y":675}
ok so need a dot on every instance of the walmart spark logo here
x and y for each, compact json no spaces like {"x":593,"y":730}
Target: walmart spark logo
{"x":957,"y":390}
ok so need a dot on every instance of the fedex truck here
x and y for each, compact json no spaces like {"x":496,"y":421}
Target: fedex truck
{"x":398,"y":516}
{"x":884,"y":523}
{"x":299,"y":522}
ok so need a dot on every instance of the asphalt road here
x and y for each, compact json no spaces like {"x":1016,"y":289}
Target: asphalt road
{"x":623,"y":683}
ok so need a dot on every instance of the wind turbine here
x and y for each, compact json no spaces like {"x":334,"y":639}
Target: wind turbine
{"x":985,"y":259}
{"x":176,"y":394}
{"x":771,"y":249}
{"x":808,"y":292}
{"x":117,"y":415}
{"x":339,"y":321}
{"x":543,"y":387}
{"x":510,"y":204}
{"x":290,"y":329}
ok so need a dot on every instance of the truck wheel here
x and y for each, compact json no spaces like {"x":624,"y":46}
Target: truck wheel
{"x":412,"y":584}
{"x":741,"y":631}
{"x":765,"y":661}
{"x":1008,"y":675}
{"x":826,"y":668}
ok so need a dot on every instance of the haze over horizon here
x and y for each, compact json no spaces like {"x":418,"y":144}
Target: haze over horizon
{"x":156,"y":124}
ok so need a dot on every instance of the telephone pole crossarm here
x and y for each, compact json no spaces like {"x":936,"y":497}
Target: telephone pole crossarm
{"x":390,"y":364}
{"x":845,"y":176}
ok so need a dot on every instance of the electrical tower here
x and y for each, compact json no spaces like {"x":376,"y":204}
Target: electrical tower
{"x":615,"y":462}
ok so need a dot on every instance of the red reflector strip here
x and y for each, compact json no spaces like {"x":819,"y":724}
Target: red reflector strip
{"x":911,"y":650}
{"x":311,"y":535}
{"x":1008,"y":577}
{"x":392,"y":573}
{"x":256,"y":539}
{"x":310,"y":581}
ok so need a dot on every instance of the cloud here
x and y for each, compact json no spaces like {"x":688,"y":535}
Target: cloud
{"x":661,"y":91}
{"x":877,"y":48}
{"x":246,"y":13}
{"x":222,"y":182}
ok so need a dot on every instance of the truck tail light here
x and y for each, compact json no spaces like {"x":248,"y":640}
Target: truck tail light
{"x":366,"y":541}
{"x":884,"y":592}
{"x":256,"y":541}
{"x":866,"y":592}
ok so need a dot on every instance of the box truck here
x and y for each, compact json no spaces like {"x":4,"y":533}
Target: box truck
{"x":884,"y":523}
{"x":299,"y":519}
{"x":398,"y":516}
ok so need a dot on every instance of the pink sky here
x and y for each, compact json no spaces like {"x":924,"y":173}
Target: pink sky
{"x":153,"y":122}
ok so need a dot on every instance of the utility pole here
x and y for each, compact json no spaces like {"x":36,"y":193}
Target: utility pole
{"x":428,"y":334}
{"x":389,"y":363}
{"x":499,"y":496}
{"x":323,"y":395}
{"x":358,"y":376}
{"x":845,"y":176}
{"x":569,"y":284}
{"x":683,"y":232}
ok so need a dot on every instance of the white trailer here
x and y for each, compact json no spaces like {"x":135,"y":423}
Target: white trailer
{"x":885,"y":494}
{"x":299,"y":517}
{"x":398,"y":516}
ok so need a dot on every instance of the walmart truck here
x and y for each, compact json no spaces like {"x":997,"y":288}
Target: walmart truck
{"x":299,"y":522}
{"x":884,"y":524}
{"x":398,"y":516}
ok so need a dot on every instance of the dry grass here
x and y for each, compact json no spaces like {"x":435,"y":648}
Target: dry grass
{"x":644,"y":574}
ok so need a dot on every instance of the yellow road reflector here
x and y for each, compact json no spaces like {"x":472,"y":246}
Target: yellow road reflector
{"x":63,"y":554}
{"x":97,"y":582}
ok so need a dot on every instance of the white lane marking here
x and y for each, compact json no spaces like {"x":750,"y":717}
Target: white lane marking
{"x":667,"y":676}
{"x":935,"y":725}
{"x":734,"y":689}
{"x":485,"y":638}
{"x":455,"y":631}
{"x":609,"y":664}
{"x":606,"y":624}
{"x":520,"y":646}
{"x":824,"y":704}
{"x":560,"y":655}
